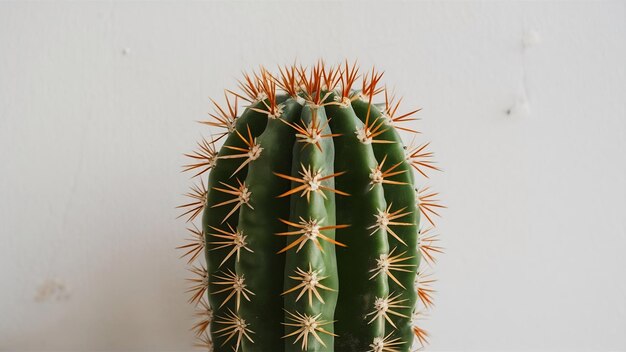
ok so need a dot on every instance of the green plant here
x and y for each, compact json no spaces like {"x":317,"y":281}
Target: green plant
{"x":310,"y":218}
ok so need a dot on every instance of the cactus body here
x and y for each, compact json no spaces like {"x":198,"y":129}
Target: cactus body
{"x":310,"y":219}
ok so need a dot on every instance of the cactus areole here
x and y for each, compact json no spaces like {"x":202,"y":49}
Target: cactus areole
{"x":310,"y":217}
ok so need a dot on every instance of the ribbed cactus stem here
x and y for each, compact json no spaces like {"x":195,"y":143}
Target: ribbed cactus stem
{"x":310,"y":218}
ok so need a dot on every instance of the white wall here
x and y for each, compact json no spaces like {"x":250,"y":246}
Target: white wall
{"x":524,"y":104}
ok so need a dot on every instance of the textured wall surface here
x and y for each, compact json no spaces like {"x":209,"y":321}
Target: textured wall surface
{"x":524,"y":103}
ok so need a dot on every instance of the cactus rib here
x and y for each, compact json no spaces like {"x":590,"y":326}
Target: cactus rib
{"x":357,"y":288}
{"x":260,"y":225}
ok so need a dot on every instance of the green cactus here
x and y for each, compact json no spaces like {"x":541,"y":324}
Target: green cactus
{"x":310,"y":218}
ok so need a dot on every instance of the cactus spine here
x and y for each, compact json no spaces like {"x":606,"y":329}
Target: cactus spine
{"x":310,"y":218}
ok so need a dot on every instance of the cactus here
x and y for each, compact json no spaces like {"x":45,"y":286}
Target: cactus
{"x":310,"y":217}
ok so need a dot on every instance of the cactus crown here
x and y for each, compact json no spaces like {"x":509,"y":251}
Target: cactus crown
{"x":310,"y":217}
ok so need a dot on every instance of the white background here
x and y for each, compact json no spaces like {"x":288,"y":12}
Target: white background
{"x":524,"y":104}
